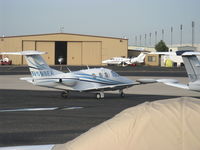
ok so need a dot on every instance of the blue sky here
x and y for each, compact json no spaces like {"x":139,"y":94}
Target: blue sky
{"x":118,"y":18}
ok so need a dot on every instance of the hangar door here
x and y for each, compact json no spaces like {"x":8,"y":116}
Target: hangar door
{"x":91,"y":53}
{"x":74,"y":53}
{"x":60,"y":52}
{"x":48,"y":47}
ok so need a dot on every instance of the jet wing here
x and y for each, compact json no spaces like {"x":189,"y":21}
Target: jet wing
{"x":146,"y":81}
{"x":28,"y":79}
{"x":170,"y":82}
{"x":111,"y":87}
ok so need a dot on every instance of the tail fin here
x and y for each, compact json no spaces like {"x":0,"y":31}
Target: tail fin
{"x":139,"y":58}
{"x":192,"y":65}
{"x":37,"y":66}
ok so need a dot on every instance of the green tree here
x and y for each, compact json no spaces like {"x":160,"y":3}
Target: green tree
{"x":161,"y":47}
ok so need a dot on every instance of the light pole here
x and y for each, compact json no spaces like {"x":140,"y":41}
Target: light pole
{"x":155,"y":37}
{"x":192,"y":33}
{"x":140,"y":39}
{"x":163,"y":34}
{"x":145,"y":38}
{"x":171,"y":36}
{"x":149,"y":39}
{"x":181,"y":29}
{"x":136,"y":40}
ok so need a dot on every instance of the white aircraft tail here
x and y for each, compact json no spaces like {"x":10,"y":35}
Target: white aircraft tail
{"x":37,"y":66}
{"x":192,"y":64}
{"x":139,"y":58}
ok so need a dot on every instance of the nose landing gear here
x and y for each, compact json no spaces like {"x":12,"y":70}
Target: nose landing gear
{"x":100,"y":95}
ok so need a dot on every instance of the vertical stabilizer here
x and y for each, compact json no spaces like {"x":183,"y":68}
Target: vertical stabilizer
{"x":192,"y":64}
{"x":37,"y":66}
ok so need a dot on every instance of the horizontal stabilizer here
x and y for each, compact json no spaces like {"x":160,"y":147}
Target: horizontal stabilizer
{"x":167,"y":80}
{"x":178,"y":85}
{"x":24,"y":53}
{"x":146,"y":81}
{"x":28,"y":79}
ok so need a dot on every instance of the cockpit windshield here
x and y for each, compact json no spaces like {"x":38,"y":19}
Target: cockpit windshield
{"x":114,"y":74}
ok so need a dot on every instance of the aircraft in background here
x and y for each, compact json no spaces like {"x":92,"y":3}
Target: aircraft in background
{"x":117,"y":61}
{"x":95,"y":80}
{"x":125,"y":61}
{"x":172,"y":56}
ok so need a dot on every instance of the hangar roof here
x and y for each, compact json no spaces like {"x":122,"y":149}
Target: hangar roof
{"x":63,"y":34}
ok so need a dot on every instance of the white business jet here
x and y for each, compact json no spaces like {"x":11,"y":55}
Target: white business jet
{"x":117,"y":61}
{"x":125,"y":61}
{"x":95,"y":80}
{"x":172,"y":56}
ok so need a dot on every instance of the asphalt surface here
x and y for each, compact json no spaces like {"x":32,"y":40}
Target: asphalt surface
{"x":72,"y":116}
{"x":57,"y":126}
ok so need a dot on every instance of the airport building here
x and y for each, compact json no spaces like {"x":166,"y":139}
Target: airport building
{"x":75,"y":49}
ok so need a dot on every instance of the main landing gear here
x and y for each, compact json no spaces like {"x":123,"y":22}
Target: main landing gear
{"x":100,"y":95}
{"x":121,"y":93}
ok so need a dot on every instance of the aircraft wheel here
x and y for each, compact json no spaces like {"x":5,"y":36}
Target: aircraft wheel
{"x":98,"y":95}
{"x":65,"y":94}
{"x":122,"y":94}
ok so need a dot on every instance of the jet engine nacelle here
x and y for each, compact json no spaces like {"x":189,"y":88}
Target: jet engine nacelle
{"x":68,"y":82}
{"x":194,"y":86}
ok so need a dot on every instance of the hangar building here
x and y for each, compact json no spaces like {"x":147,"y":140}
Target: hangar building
{"x":75,"y":49}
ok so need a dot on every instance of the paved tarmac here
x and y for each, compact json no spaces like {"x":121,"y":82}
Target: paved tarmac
{"x":72,"y":116}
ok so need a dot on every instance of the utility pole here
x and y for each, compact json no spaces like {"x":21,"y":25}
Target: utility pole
{"x":149,"y":39}
{"x":181,"y":29}
{"x":145,"y":38}
{"x":140,"y":40}
{"x":155,"y":37}
{"x":192,"y":33}
{"x":171,"y":36}
{"x":163,"y":34}
{"x":136,"y":40}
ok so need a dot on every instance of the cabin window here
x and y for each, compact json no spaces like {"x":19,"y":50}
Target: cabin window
{"x":100,"y":75}
{"x":106,"y":74}
{"x":94,"y":76}
{"x":114,"y":74}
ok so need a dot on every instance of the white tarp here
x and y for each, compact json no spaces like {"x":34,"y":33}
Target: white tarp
{"x":160,"y":125}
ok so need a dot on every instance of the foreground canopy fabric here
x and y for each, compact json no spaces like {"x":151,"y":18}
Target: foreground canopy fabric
{"x":172,"y":124}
